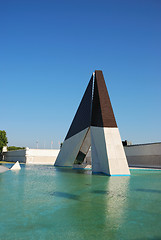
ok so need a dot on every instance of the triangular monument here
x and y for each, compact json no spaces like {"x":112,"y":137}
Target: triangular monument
{"x":94,"y":126}
{"x":16,"y":166}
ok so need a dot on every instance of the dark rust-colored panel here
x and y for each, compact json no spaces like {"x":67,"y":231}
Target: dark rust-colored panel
{"x":93,"y":112}
{"x":82,"y":117}
{"x":102,"y":112}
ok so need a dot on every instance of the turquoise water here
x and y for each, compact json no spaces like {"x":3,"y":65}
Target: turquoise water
{"x":43,"y":202}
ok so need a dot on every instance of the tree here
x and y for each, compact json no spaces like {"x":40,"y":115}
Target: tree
{"x":14,"y":148}
{"x":3,"y":140}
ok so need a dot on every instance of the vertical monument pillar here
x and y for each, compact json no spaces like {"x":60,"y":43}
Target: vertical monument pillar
{"x":108,"y":154}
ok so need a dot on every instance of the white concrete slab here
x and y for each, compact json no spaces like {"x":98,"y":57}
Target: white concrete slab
{"x":70,"y":149}
{"x":99,"y":151}
{"x":108,"y":154}
{"x":86,"y":143}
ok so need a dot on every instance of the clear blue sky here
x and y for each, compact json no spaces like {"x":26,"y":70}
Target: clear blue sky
{"x":48,"y":51}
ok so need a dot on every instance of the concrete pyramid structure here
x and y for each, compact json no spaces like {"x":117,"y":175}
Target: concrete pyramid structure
{"x":94,"y":126}
{"x":16,"y":166}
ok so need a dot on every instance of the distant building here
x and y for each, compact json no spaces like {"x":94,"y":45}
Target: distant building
{"x":126,"y":143}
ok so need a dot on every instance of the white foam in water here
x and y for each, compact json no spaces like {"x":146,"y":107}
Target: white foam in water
{"x":16,"y":166}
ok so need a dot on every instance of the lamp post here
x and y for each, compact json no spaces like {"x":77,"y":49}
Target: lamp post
{"x":37,"y":144}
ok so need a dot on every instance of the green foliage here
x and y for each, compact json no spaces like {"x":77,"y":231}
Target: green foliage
{"x":13,"y":148}
{"x":3,"y":139}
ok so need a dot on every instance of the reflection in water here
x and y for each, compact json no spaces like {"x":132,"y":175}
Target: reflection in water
{"x":100,"y":192}
{"x":148,"y":190}
{"x":72,"y":170}
{"x":110,"y":199}
{"x":43,"y":202}
{"x":117,"y":194}
{"x":65,"y":195}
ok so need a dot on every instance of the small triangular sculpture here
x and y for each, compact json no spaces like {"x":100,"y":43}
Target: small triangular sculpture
{"x":94,"y":126}
{"x":16,"y":166}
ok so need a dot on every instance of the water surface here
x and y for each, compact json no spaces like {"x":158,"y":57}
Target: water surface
{"x":44,"y":202}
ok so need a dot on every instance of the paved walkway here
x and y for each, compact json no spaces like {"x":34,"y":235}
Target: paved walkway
{"x":3,"y":169}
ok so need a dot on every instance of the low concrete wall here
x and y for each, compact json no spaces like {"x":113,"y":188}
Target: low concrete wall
{"x":41,"y":156}
{"x":14,"y":156}
{"x":32,"y":156}
{"x":144,"y":155}
{"x":141,"y":155}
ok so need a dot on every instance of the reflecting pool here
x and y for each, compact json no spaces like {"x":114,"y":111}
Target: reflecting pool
{"x":44,"y":202}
